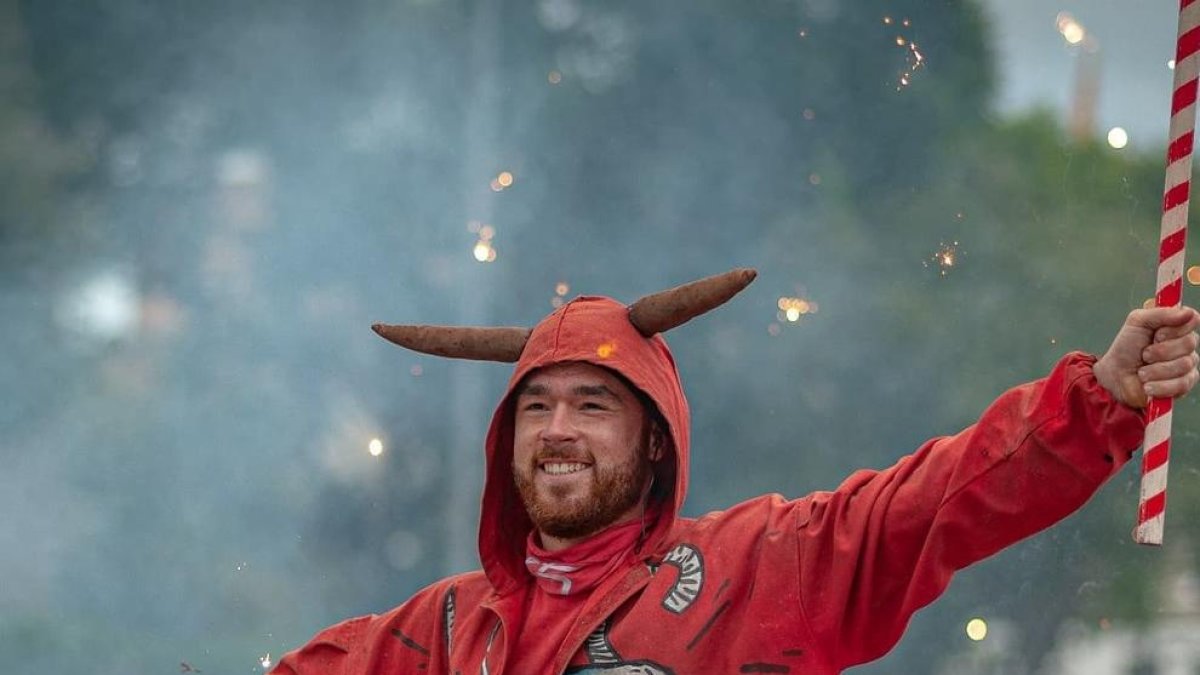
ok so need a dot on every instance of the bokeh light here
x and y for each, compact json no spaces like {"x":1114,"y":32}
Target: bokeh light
{"x":1118,"y":138}
{"x":1071,"y":30}
{"x":977,"y":629}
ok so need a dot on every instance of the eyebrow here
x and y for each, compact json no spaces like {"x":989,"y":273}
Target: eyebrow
{"x":580,"y":390}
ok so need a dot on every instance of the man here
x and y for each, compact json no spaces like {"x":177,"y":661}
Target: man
{"x":588,"y":567}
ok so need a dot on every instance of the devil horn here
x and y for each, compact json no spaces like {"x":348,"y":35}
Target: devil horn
{"x":665,"y":310}
{"x":459,"y":342}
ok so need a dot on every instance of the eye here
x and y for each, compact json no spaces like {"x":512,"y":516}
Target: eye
{"x":592,"y":405}
{"x":534,"y":406}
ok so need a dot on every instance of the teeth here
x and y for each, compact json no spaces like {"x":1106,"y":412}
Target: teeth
{"x":563,"y":467}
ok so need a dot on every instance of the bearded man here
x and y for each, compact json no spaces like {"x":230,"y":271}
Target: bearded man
{"x":588,"y":567}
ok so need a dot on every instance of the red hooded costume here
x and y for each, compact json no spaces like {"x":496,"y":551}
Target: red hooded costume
{"x":811,"y":585}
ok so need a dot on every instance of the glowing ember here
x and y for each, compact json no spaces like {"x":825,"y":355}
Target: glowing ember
{"x":945,"y":258}
{"x":914,"y":61}
{"x":484,"y":252}
{"x":792,"y":309}
{"x":1071,"y":30}
{"x":606,"y":350}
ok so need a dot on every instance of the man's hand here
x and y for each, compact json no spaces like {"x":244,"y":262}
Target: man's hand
{"x":1153,"y":356}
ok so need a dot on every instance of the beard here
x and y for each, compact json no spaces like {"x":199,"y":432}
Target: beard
{"x":614,"y":490}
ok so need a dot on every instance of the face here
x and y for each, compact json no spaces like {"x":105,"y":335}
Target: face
{"x":581,"y":449}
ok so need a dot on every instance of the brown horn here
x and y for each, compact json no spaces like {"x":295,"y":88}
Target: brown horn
{"x":665,"y":310}
{"x":459,"y":342}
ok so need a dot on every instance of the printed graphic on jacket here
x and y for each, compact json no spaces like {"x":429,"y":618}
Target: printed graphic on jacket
{"x":604,"y":660}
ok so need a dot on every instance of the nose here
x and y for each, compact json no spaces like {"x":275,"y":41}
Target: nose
{"x":560,"y":428}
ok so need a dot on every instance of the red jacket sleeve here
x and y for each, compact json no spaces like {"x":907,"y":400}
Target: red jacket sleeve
{"x":886,"y":543}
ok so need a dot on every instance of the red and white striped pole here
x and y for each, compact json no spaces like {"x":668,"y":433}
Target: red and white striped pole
{"x":1153,"y":499}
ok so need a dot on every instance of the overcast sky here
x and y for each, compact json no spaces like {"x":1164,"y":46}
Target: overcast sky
{"x":1136,"y":37}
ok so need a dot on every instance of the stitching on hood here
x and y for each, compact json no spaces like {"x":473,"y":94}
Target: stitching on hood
{"x":562,"y":317}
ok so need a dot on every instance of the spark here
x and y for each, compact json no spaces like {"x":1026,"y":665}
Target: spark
{"x":792,"y":309}
{"x":914,"y":61}
{"x":887,"y":20}
{"x":945,"y":257}
{"x":977,"y":629}
{"x":484,"y":252}
{"x":1171,"y":64}
{"x":1071,"y":30}
{"x":560,"y":291}
{"x":554,"y":77}
{"x":803,"y":32}
{"x":265,"y":660}
{"x":505,"y":179}
{"x":375,"y":447}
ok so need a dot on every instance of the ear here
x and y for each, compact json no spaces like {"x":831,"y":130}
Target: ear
{"x":658,"y":442}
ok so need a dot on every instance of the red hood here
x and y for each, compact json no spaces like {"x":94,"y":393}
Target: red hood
{"x":595,"y":330}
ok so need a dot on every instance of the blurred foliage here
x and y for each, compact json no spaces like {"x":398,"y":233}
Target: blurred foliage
{"x":216,"y":501}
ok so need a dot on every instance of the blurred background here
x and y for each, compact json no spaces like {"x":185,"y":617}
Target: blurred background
{"x":206,"y":455}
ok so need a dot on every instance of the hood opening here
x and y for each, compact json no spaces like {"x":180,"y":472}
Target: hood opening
{"x":593,"y":330}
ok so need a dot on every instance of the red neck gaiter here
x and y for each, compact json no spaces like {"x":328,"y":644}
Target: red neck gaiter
{"x":581,"y":567}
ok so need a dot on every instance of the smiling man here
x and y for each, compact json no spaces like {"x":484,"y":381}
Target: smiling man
{"x":588,"y":567}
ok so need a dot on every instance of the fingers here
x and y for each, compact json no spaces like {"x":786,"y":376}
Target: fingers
{"x":1171,"y":330}
{"x":1168,"y":370}
{"x":1160,"y":317}
{"x":1171,"y":348}
{"x":1171,"y":359}
{"x":1175,"y":386}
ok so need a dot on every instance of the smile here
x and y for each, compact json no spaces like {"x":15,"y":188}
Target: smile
{"x":560,"y":468}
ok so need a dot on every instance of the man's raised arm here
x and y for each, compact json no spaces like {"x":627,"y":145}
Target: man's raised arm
{"x":885,"y":543}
